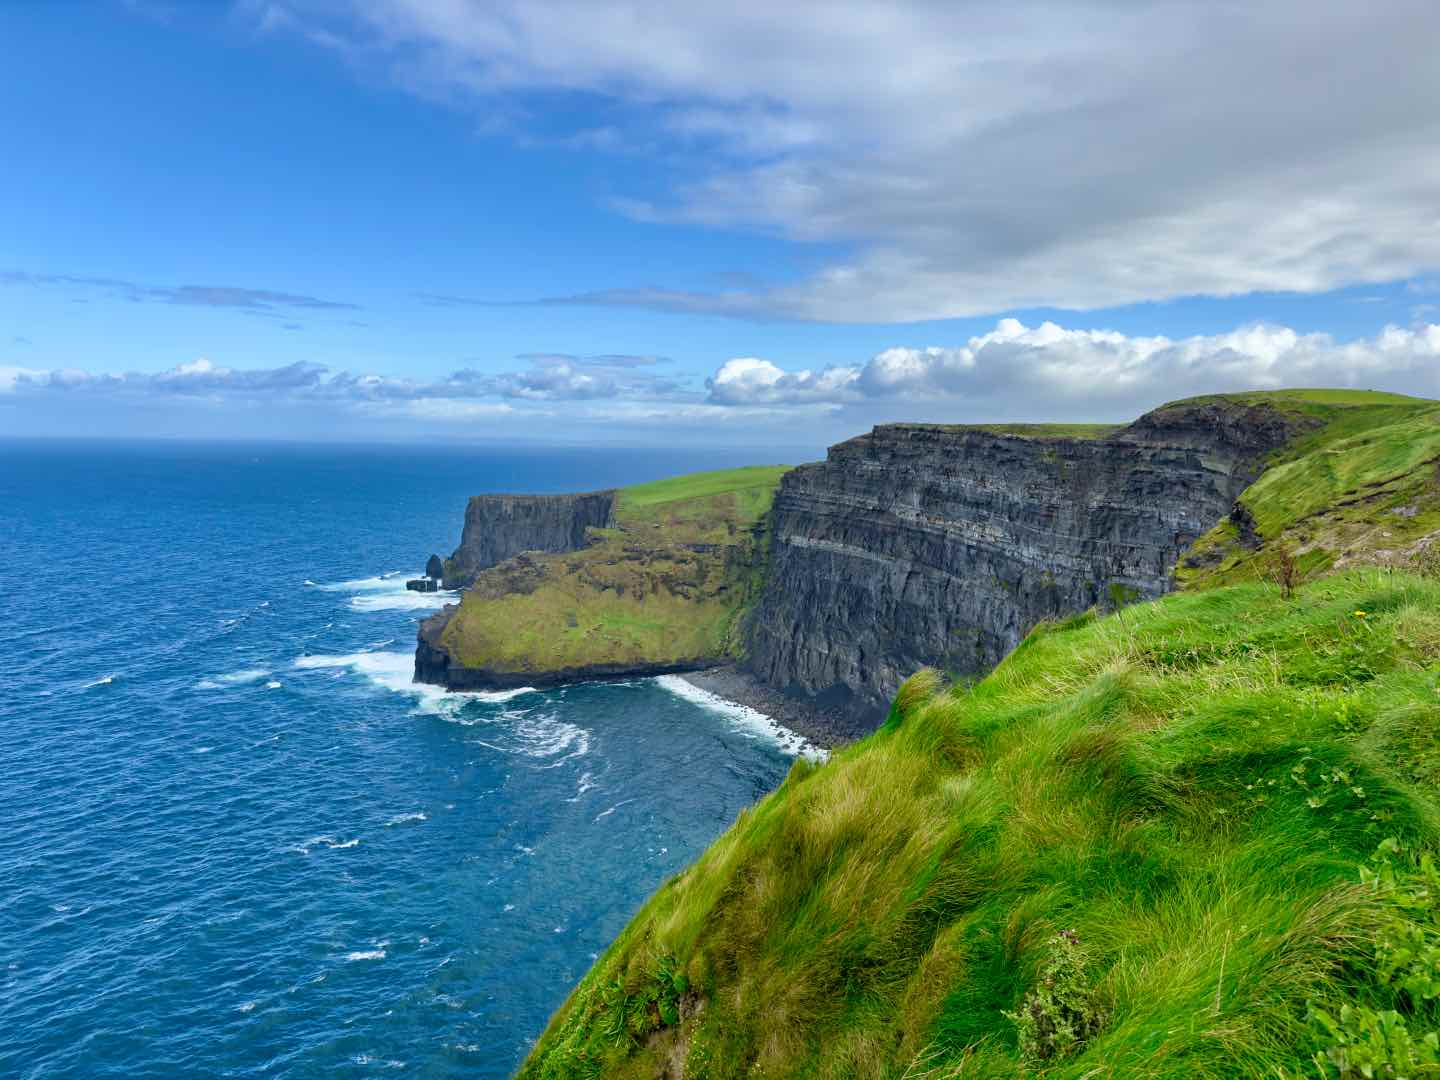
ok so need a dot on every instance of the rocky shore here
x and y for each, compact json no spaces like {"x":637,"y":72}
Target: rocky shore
{"x":825,"y":728}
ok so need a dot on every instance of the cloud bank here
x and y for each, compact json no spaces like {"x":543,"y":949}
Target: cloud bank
{"x":969,"y":158}
{"x":1013,"y":372}
{"x":1101,"y":370}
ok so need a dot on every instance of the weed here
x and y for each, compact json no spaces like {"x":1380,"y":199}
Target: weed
{"x":1059,"y":1015}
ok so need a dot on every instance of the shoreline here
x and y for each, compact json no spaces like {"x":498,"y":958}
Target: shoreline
{"x":803,"y":719}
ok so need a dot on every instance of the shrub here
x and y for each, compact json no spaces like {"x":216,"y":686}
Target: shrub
{"x":1059,"y":1015}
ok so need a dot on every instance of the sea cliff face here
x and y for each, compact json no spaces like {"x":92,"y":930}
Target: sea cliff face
{"x":498,"y":527}
{"x":942,"y":546}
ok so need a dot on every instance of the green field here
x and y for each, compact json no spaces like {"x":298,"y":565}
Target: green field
{"x":1144,"y":846}
{"x":665,"y":584}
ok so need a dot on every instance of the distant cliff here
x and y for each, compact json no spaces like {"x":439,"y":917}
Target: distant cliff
{"x":929,"y":545}
{"x":659,"y":589}
{"x":498,"y":527}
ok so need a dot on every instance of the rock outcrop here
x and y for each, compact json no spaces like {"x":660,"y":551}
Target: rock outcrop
{"x":923,"y":545}
{"x":434,"y":568}
{"x":498,"y":527}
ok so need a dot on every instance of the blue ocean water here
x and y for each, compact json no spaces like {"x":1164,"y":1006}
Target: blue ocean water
{"x":235,"y":841}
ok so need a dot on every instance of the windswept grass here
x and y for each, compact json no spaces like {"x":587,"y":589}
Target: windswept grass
{"x":1189,"y":790}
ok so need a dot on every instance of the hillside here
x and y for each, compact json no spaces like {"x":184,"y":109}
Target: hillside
{"x":660,"y":587}
{"x":1361,"y":486}
{"x":1147,"y":835}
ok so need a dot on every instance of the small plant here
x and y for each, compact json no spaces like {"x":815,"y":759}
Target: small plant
{"x":1285,"y":570}
{"x":1363,"y":1040}
{"x":1059,"y":1015}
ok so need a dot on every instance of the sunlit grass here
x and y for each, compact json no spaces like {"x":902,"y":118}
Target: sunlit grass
{"x":1190,"y":789}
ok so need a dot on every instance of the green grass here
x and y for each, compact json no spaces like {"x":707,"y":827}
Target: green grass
{"x":1032,"y":431}
{"x":756,"y":480}
{"x":667,"y":583}
{"x":1362,"y":486}
{"x":1189,"y":785}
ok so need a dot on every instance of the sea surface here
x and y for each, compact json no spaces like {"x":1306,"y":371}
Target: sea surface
{"x":236,"y":841}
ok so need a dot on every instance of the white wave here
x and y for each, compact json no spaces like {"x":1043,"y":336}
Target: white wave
{"x":751,"y":721}
{"x":401,"y":600}
{"x":235,"y":678}
{"x":365,"y":584}
{"x":395,"y":671}
{"x":272,"y":685}
{"x":203,"y":749}
{"x":585,"y":784}
{"x":387,"y":592}
{"x":104,"y":680}
{"x":366,"y":954}
{"x":245,"y":1006}
{"x":326,"y":842}
{"x":402,"y":819}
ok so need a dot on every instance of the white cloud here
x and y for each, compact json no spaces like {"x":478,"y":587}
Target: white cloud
{"x":748,"y":380}
{"x":1015,"y":366}
{"x":978,"y":157}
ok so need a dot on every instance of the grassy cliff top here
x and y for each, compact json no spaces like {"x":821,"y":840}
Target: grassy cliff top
{"x":1363,"y":485}
{"x":1026,"y":431}
{"x":1134,"y":849}
{"x":664,"y":584}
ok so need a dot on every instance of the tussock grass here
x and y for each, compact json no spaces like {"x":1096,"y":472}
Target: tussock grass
{"x":1190,"y":791}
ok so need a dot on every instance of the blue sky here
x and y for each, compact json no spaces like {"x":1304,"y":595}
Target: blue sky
{"x":622,"y":222}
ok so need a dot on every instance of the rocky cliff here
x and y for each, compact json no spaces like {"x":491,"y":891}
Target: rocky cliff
{"x":498,"y":527}
{"x":942,"y":546}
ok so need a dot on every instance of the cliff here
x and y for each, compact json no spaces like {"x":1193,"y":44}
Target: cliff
{"x":659,"y":589}
{"x":499,"y":527}
{"x":928,"y":545}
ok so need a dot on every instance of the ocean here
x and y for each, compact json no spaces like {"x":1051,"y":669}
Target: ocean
{"x":236,"y":841}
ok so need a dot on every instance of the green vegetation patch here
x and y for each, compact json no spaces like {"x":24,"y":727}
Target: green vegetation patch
{"x":667,"y":583}
{"x":1363,"y":487}
{"x":1031,"y":431}
{"x":1134,"y":849}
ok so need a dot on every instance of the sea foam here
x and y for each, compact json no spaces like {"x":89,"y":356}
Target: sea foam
{"x":749,"y":720}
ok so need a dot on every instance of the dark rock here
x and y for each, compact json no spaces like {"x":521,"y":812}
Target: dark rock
{"x":942,"y":546}
{"x":422,"y":584}
{"x":434,"y":568}
{"x":498,"y":527}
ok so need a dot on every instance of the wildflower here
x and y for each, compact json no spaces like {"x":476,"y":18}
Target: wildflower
{"x":1359,"y":614}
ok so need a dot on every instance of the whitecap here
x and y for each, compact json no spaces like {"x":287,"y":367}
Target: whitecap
{"x":402,"y":819}
{"x":235,"y":678}
{"x":203,"y":749}
{"x":585,"y":784}
{"x":366,"y":954}
{"x":104,"y":680}
{"x":749,"y":720}
{"x":401,"y":600}
{"x":396,"y":671}
{"x":326,"y":842}
{"x":272,"y":685}
{"x":245,"y":1006}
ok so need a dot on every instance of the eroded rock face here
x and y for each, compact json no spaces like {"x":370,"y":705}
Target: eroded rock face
{"x":498,"y":527}
{"x":925,"y":545}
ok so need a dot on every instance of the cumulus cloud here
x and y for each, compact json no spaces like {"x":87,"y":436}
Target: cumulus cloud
{"x":1015,"y":366}
{"x":980,"y":157}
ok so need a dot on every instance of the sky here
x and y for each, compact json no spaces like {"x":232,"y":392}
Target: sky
{"x":645,"y":223}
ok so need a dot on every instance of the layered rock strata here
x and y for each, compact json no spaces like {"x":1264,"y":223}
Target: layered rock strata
{"x":942,"y":546}
{"x":498,"y":527}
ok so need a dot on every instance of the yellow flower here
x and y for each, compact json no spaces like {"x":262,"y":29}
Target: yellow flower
{"x":1360,"y":614}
